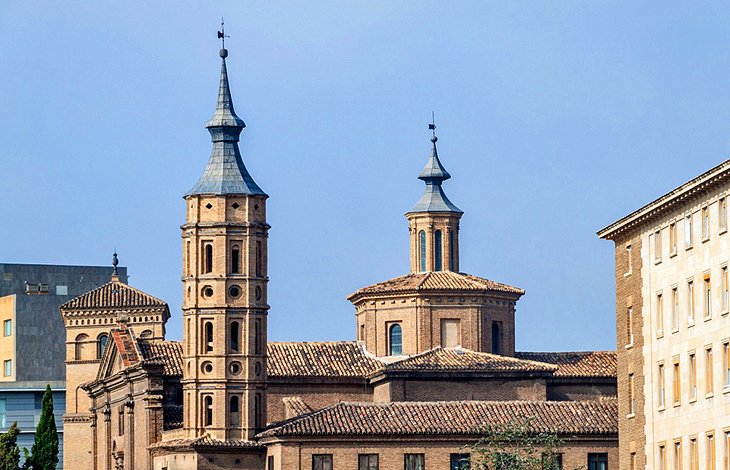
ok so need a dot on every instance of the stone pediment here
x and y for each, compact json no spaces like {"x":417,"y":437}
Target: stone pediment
{"x":122,"y":351}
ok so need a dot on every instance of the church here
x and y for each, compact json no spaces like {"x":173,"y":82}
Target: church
{"x":433,"y":364}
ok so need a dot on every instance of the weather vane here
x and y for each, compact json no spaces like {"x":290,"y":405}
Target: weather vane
{"x":222,"y":34}
{"x":432,"y":126}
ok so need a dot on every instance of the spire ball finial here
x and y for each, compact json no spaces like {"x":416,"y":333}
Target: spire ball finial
{"x":115,"y":263}
{"x":222,"y":36}
{"x":434,"y":139}
{"x":224,"y":53}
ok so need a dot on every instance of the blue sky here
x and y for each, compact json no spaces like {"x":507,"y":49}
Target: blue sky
{"x":554,"y":119}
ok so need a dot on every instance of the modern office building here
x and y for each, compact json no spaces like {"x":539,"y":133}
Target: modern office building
{"x":32,"y":343}
{"x":673,"y":327}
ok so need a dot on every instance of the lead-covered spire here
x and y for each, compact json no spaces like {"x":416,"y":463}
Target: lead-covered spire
{"x":225,"y":173}
{"x":433,"y":174}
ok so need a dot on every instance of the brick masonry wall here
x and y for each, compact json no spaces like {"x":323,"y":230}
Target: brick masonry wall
{"x":314,"y":395}
{"x":468,"y":389}
{"x":576,"y":392}
{"x":630,"y":357}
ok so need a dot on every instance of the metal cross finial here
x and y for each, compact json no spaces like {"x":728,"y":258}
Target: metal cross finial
{"x":222,"y":34}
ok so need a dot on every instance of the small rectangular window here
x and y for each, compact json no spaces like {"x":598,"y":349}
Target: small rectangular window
{"x":632,"y":400}
{"x":662,"y":458}
{"x":460,"y":461}
{"x":630,"y":326}
{"x":658,"y":245}
{"x":61,"y":290}
{"x":676,"y":383}
{"x":677,"y":455}
{"x":726,"y":363}
{"x":662,"y":388}
{"x":8,"y":328}
{"x":628,"y":259}
{"x":367,"y":461}
{"x":659,"y":315}
{"x":632,"y":461}
{"x":694,"y":454}
{"x":270,"y":462}
{"x":690,"y":302}
{"x":414,"y":462}
{"x":3,"y":413}
{"x":322,"y":462}
{"x":722,"y":215}
{"x":708,"y":297}
{"x":692,"y":376}
{"x":675,"y":310}
{"x":673,"y":238}
{"x":727,"y":449}
{"x":709,"y":375}
{"x":7,"y":368}
{"x":725,"y":289}
{"x":450,"y":333}
{"x":598,"y":461}
{"x":705,"y":223}
{"x":688,"y":231}
{"x":710,"y":452}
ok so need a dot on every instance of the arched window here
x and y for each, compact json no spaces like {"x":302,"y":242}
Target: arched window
{"x":235,"y":334}
{"x":208,"y":336}
{"x":101,"y":341}
{"x":452,"y":260}
{"x":208,"y":261}
{"x":438,"y":252}
{"x":395,"y":340}
{"x":233,"y":411}
{"x":235,"y":259}
{"x":422,"y":250}
{"x":146,"y":334}
{"x":80,"y":347}
{"x":496,"y":339}
{"x":208,"y":410}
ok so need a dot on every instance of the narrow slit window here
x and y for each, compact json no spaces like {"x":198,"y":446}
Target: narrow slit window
{"x":208,"y":336}
{"x":438,"y":250}
{"x":235,"y":337}
{"x":660,"y":314}
{"x":630,"y":326}
{"x":421,"y":251}
{"x":234,"y":411}
{"x":705,"y":223}
{"x":688,"y":231}
{"x":692,"y":376}
{"x":658,"y":245}
{"x":722,"y":207}
{"x":101,"y":345}
{"x":708,"y":297}
{"x":709,"y":375}
{"x":208,"y":410}
{"x":662,"y":389}
{"x":208,"y":261}
{"x":235,"y":259}
{"x":675,"y":309}
{"x":452,"y":248}
{"x":259,"y":259}
{"x":673,"y":238}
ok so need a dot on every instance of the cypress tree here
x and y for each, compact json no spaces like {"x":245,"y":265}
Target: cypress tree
{"x":44,"y":453}
{"x":9,"y":452}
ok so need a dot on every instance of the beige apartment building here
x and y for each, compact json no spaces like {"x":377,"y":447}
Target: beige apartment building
{"x":673,"y":327}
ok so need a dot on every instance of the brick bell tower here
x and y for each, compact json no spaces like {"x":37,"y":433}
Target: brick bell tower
{"x":433,"y":223}
{"x":224,"y":280}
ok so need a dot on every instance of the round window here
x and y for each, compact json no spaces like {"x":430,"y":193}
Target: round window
{"x":235,"y":368}
{"x":207,"y":367}
{"x":234,"y":291}
{"x":207,"y":291}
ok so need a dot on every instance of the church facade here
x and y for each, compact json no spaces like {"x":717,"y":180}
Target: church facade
{"x":433,"y":364}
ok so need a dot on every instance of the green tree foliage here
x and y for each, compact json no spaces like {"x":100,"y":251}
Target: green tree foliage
{"x":44,"y":453}
{"x":516,"y":445}
{"x":9,"y":452}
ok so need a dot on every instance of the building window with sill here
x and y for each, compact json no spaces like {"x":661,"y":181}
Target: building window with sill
{"x":3,"y":413}
{"x":726,"y":363}
{"x":688,"y":231}
{"x":694,"y":454}
{"x":675,"y":309}
{"x":414,"y":462}
{"x":208,"y":410}
{"x":662,"y":457}
{"x":690,"y":302}
{"x":235,"y":259}
{"x":710,"y":452}
{"x":676,"y":383}
{"x":705,"y":223}
{"x":598,"y":461}
{"x":629,"y":326}
{"x":677,"y":454}
{"x":208,"y":336}
{"x":658,"y":245}
{"x":322,"y":462}
{"x":708,"y":297}
{"x":673,"y":238}
{"x":662,"y":392}
{"x":207,"y":258}
{"x":659,"y":315}
{"x":7,"y":368}
{"x":395,"y":340}
{"x":709,"y":376}
{"x":460,"y":461}
{"x":101,"y":342}
{"x":722,"y":215}
{"x":438,"y":251}
{"x":628,"y":259}
{"x":632,"y":399}
{"x":422,"y":251}
{"x":692,"y":376}
{"x":367,"y":462}
{"x":7,"y":328}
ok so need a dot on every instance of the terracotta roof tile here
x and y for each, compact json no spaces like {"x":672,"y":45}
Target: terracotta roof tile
{"x":113,"y":294}
{"x":126,"y":344}
{"x":320,"y":359}
{"x":577,"y":364}
{"x":449,"y":418}
{"x":435,"y":281}
{"x":465,"y":360}
{"x":204,"y":443}
{"x":172,"y":417}
{"x":170,"y":353}
{"x":296,"y":406}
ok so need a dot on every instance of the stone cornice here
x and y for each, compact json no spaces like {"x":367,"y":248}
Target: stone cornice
{"x":684,"y":193}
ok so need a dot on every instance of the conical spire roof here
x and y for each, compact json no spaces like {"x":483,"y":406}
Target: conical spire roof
{"x":433,"y":174}
{"x":225,"y":173}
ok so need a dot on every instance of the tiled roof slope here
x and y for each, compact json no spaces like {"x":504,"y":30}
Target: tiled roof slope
{"x":465,"y":360}
{"x":577,"y":364}
{"x":435,"y":281}
{"x":113,"y":294}
{"x":126,"y":344}
{"x":320,"y":359}
{"x":172,"y":417}
{"x":169,"y":352}
{"x":450,"y":418}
